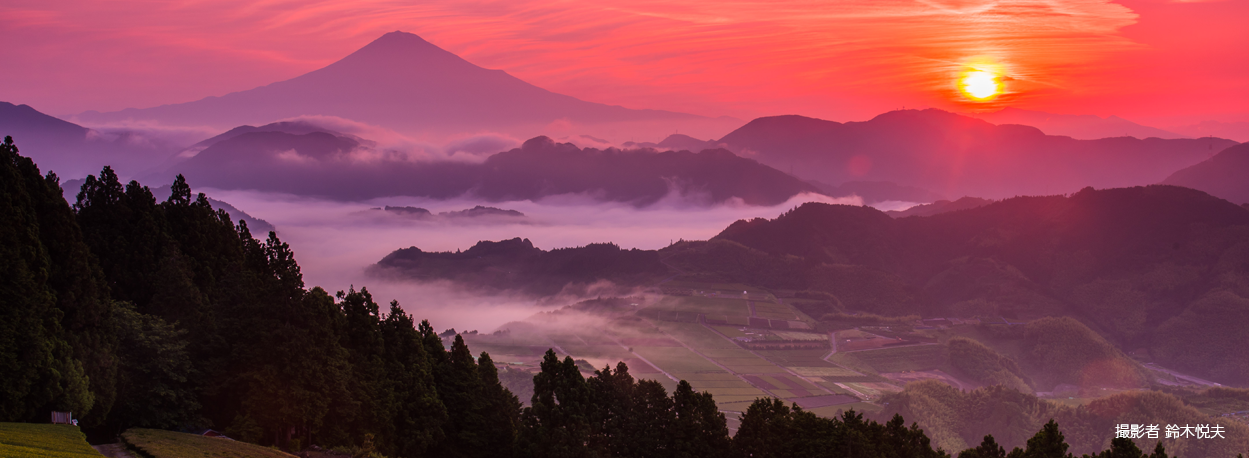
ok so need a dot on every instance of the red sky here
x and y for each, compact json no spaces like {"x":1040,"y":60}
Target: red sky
{"x":1154,"y":61}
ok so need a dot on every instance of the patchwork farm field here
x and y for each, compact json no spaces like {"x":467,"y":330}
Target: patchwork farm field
{"x":912,"y":358}
{"x":33,"y":440}
{"x":705,"y":305}
{"x":737,"y":363}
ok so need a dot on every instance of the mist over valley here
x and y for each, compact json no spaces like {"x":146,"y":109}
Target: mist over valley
{"x":413,"y":249}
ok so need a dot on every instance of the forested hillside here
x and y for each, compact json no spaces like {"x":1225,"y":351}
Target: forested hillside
{"x":1159,"y":268}
{"x":137,"y":313}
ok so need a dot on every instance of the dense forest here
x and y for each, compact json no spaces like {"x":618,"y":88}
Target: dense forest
{"x":136,"y":313}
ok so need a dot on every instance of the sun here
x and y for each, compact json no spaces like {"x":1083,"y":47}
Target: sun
{"x":980,"y":85}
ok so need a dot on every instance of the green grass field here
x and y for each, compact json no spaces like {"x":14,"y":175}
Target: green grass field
{"x":169,"y":444}
{"x":34,"y":440}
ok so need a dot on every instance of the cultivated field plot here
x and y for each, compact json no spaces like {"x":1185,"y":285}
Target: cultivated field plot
{"x":824,"y":372}
{"x":815,"y":402}
{"x":168,"y":444}
{"x":853,"y":334}
{"x":912,"y":358}
{"x":705,"y":305}
{"x":723,"y":386}
{"x":697,"y":336}
{"x":902,"y":378}
{"x":598,"y":351}
{"x":871,"y":344}
{"x":676,"y":359}
{"x":715,"y":288}
{"x":774,"y":311}
{"x":800,"y":336}
{"x":873,"y":389}
{"x":31,"y":440}
{"x":810,"y":363}
{"x":732,"y":331}
{"x":832,"y":386}
{"x":800,"y":358}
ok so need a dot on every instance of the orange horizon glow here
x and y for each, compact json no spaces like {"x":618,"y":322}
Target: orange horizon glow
{"x":847,"y":60}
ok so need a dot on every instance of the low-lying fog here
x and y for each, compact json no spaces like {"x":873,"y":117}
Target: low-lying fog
{"x":335,"y":241}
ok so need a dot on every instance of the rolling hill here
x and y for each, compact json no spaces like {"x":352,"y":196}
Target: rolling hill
{"x":1158,"y":268}
{"x":954,"y":155}
{"x":346,"y":168}
{"x":73,"y":151}
{"x":1225,"y":175}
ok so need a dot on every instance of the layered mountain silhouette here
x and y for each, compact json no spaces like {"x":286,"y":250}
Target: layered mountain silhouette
{"x":940,"y":206}
{"x":1238,"y":131}
{"x":74,"y":151}
{"x":1083,"y":127}
{"x":954,"y":155}
{"x":401,"y":82}
{"x":339,"y":167}
{"x":1159,"y":268}
{"x":1225,"y":175}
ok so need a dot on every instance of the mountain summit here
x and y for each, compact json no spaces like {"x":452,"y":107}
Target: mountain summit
{"x":402,"y":82}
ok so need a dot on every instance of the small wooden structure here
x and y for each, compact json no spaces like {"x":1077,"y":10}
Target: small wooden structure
{"x":63,"y":418}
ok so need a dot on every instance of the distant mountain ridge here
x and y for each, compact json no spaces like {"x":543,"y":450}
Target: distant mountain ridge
{"x":398,"y":81}
{"x":1080,"y":127}
{"x":337,"y":167}
{"x":1159,"y":268}
{"x":1224,"y":175}
{"x":950,"y":154}
{"x":73,"y":151}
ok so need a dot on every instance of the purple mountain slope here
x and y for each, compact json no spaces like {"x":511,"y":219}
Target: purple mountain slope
{"x":337,"y":167}
{"x":1225,"y":175}
{"x":955,"y":155}
{"x":74,"y":151}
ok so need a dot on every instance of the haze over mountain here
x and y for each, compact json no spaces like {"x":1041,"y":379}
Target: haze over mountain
{"x":1238,"y":131}
{"x":343,"y":168}
{"x":405,"y":83}
{"x":1082,"y":127}
{"x":1158,"y":267}
{"x":1225,"y":175}
{"x":73,"y":151}
{"x":955,"y":155}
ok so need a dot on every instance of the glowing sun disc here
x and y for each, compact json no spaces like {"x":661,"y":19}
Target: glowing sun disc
{"x":980,"y":85}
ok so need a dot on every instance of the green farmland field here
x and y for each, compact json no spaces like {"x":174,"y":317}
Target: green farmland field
{"x":168,"y":444}
{"x":34,"y":440}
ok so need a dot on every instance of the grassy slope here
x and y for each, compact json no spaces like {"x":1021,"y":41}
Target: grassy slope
{"x":168,"y":444}
{"x":30,"y":440}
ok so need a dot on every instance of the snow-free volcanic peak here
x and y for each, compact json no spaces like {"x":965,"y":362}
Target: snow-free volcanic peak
{"x":402,"y":82}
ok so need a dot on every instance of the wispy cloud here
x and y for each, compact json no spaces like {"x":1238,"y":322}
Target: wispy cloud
{"x":844,"y":60}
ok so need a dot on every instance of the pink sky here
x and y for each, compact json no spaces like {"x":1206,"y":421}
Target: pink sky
{"x":1153,"y":61}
